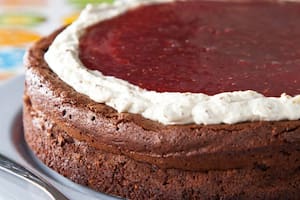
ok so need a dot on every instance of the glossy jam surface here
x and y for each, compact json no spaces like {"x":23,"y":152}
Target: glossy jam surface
{"x":200,"y":47}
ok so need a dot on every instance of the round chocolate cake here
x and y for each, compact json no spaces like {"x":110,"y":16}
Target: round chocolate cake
{"x":171,"y":100}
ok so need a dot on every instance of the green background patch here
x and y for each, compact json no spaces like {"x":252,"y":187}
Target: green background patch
{"x":82,"y":3}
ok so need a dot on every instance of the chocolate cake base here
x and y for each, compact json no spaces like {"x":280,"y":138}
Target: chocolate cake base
{"x":129,"y":156}
{"x":119,"y":175}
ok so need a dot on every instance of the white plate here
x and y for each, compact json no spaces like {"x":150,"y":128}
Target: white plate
{"x":12,"y":145}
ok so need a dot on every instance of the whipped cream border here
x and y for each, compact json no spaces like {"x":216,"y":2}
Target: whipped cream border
{"x":168,"y":107}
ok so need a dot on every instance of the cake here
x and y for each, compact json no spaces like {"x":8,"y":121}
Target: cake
{"x":171,"y":99}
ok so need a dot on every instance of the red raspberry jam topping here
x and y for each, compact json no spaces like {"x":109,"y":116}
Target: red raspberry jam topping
{"x":200,"y":47}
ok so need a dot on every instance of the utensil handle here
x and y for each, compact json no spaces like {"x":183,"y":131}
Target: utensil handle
{"x":13,"y":168}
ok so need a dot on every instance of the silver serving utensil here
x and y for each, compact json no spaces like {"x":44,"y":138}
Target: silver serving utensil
{"x":13,"y":168}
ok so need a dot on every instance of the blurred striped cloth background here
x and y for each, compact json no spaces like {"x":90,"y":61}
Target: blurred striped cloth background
{"x":24,"y":21}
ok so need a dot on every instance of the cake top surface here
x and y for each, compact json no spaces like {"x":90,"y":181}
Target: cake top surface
{"x":221,"y":62}
{"x":200,"y":47}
